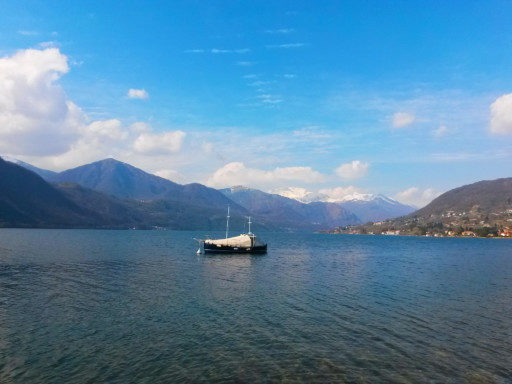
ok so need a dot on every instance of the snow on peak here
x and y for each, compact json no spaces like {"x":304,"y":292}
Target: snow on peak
{"x":299,"y":194}
{"x":356,"y":197}
{"x":332,"y":195}
{"x":344,"y":194}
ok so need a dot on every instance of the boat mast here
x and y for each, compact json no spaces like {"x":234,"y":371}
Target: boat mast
{"x":249,"y":225}
{"x":227,"y":224}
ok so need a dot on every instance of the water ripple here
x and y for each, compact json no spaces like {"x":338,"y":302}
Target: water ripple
{"x":135,"y":306}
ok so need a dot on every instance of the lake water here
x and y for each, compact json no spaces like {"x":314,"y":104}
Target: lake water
{"x":88,"y":306}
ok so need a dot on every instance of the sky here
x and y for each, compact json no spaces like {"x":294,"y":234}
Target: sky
{"x":404,"y":98}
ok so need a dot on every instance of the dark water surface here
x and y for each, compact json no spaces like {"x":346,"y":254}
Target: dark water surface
{"x":88,"y":306}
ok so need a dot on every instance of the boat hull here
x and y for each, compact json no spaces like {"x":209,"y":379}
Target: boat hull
{"x":212,"y":248}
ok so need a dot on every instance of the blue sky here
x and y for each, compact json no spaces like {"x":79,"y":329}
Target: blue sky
{"x":275,"y":94}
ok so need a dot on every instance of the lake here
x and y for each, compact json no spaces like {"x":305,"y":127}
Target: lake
{"x":88,"y":306}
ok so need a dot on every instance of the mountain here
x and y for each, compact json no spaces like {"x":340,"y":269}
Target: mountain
{"x":479,"y":209}
{"x":376,"y":208}
{"x":288,"y":213}
{"x":27,"y":200}
{"x":128,"y":213}
{"x":113,"y":194}
{"x":117,"y":179}
{"x":485,"y":197}
{"x":110,"y":211}
{"x":44,"y":173}
{"x":123,"y":180}
{"x":366,"y":206}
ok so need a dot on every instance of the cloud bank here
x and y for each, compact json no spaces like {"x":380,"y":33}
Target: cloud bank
{"x":417,"y":197}
{"x":236,"y":173}
{"x":353,"y":170}
{"x":35,"y":115}
{"x":38,"y":121}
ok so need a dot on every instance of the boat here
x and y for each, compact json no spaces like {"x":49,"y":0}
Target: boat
{"x":243,"y":243}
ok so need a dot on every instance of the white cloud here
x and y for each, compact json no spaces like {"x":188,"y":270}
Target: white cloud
{"x":353,"y":170}
{"x":48,"y":44}
{"x":39,"y":124}
{"x":28,"y":33}
{"x":215,"y":50}
{"x":140,"y":127}
{"x":312,"y":133}
{"x":416,"y":196}
{"x":218,"y":50}
{"x":159,"y":143}
{"x":107,"y":129}
{"x":402,"y":119}
{"x":137,"y":94}
{"x":441,"y":131}
{"x":245,"y":63}
{"x":135,"y":144}
{"x":258,"y":83}
{"x":269,"y":99}
{"x":281,"y":31}
{"x":35,"y":116}
{"x":287,"y":45}
{"x":236,"y":173}
{"x":501,"y":115}
{"x":242,"y":50}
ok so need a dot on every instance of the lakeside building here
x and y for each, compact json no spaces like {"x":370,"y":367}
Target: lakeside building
{"x":392,"y":232}
{"x":505,"y":232}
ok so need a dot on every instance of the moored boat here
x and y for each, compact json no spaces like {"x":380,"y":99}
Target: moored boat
{"x":244,"y":243}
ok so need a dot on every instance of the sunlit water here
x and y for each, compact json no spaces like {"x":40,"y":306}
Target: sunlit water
{"x":141,"y":306}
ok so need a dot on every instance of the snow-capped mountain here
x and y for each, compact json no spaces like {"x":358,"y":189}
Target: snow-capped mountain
{"x":290,"y":213}
{"x":366,"y":206}
{"x":377,"y":208}
{"x":335,"y":195}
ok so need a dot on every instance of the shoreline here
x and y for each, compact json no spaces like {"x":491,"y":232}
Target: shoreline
{"x":437,"y":237}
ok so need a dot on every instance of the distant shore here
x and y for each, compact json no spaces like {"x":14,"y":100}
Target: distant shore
{"x":410,"y":235}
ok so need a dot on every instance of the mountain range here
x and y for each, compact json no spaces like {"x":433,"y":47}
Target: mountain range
{"x":110,"y":193}
{"x":366,"y":206}
{"x":376,"y":208}
{"x":288,"y":213}
{"x":483,"y":208}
